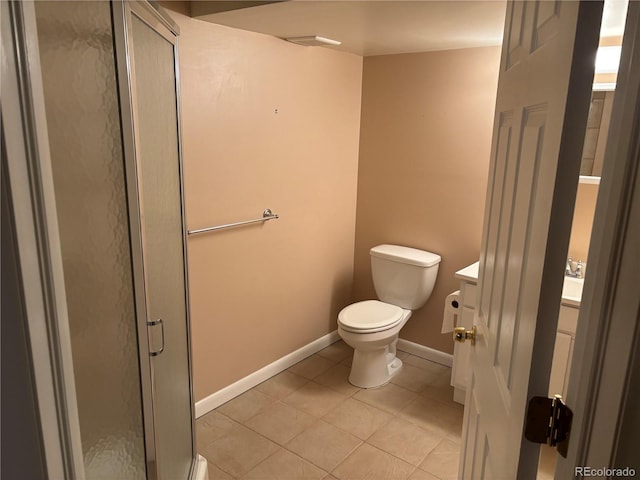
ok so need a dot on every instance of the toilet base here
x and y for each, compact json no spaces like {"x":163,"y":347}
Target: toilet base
{"x":374,"y":354}
{"x":394,"y":366}
{"x":371,"y":369}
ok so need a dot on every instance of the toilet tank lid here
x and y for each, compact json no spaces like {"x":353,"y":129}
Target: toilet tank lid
{"x":400,"y":254}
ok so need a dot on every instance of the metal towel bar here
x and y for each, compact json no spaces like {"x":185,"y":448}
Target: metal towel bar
{"x":266,"y":215}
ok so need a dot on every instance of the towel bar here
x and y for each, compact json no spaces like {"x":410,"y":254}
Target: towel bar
{"x":266,"y":215}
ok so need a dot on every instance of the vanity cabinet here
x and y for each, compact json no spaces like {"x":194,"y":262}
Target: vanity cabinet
{"x":461,"y":351}
{"x":562,"y":352}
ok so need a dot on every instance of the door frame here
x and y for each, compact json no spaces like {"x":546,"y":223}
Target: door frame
{"x":35,"y":224}
{"x":605,"y":358}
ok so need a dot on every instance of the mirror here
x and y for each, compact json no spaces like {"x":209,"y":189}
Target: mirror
{"x":595,"y":138}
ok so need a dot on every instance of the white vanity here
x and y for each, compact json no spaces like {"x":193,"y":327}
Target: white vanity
{"x":565,"y":336}
{"x":468,"y":277}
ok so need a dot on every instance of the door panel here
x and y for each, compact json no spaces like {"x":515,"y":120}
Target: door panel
{"x":527,"y":226}
{"x":83,"y":121}
{"x":547,"y":23}
{"x":160,"y":190}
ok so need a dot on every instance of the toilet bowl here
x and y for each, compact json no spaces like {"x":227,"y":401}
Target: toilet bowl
{"x":374,"y":353}
{"x":403,"y":279}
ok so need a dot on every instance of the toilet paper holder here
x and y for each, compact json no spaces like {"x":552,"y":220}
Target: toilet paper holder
{"x":451,"y":309}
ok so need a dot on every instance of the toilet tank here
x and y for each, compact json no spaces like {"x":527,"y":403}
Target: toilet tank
{"x":403,"y":276}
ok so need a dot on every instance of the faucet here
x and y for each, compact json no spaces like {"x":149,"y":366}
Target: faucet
{"x":574,"y":269}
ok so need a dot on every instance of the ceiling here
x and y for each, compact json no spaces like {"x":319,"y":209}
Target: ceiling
{"x":383,"y":27}
{"x":375,"y":27}
{"x":613,"y":18}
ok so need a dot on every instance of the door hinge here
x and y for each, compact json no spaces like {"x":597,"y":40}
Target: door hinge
{"x":548,"y":421}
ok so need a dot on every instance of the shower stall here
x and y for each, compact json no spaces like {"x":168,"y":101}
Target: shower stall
{"x":92,"y":176}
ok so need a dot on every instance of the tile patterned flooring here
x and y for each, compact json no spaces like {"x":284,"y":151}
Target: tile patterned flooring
{"x":309,"y":422}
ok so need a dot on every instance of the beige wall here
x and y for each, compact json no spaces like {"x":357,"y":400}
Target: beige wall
{"x":265,"y":123}
{"x":259,"y":293}
{"x":583,"y":221}
{"x":424,"y":155}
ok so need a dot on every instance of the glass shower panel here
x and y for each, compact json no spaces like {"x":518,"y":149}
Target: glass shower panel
{"x":163,"y":243}
{"x":81,"y":99}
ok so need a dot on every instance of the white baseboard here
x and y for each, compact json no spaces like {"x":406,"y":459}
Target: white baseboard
{"x":216,"y":399}
{"x":425,"y":352}
{"x":459,"y":395}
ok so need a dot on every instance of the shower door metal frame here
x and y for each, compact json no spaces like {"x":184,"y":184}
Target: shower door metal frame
{"x":125,"y":62}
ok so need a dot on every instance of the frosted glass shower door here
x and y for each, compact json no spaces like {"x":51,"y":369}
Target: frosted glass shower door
{"x":154,"y":95}
{"x":83,"y":118}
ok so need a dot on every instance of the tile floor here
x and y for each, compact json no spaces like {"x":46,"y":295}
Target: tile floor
{"x":309,"y":422}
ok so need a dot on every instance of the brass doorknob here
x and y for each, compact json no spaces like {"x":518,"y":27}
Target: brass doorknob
{"x":460,"y":334}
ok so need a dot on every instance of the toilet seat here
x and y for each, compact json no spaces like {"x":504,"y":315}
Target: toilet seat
{"x":370,"y":316}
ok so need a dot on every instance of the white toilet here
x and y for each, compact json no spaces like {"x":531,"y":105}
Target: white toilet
{"x":403,"y":278}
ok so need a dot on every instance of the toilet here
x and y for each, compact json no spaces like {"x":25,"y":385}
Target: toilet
{"x":403,"y":278}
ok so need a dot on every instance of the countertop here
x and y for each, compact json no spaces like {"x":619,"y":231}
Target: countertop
{"x":470,"y":273}
{"x":571,"y":293}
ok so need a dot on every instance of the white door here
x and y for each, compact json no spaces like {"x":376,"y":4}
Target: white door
{"x":544,"y":88}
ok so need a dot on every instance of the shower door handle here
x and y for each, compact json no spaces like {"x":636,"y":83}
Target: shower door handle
{"x":153,"y":323}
